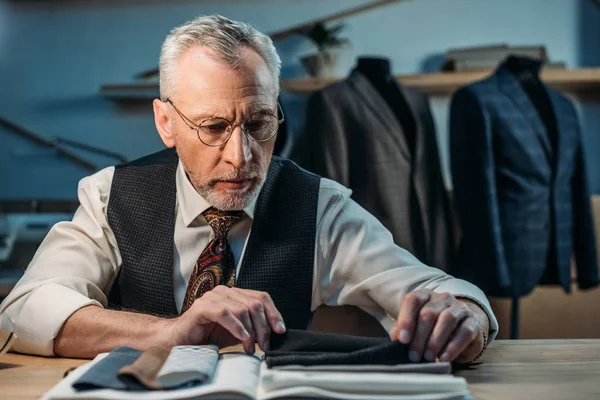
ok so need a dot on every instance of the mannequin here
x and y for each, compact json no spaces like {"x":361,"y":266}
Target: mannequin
{"x":527,"y":72}
{"x":357,"y":132}
{"x":378,"y":72}
{"x":520,"y":185}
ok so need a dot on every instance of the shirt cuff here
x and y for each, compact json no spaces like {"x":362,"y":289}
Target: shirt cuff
{"x":40,"y":319}
{"x":462,"y":288}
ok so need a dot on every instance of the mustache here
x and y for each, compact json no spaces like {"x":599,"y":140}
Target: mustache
{"x":251,"y":174}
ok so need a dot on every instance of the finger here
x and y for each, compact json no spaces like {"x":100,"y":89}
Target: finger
{"x":257,"y":316}
{"x":394,"y":333}
{"x":243,"y":314}
{"x":409,"y":310}
{"x":427,"y":319}
{"x":273,"y":315}
{"x":465,"y":334}
{"x":225,"y":318}
{"x":224,"y":296}
{"x":221,"y":296}
{"x":446,"y":324}
{"x":471,"y":352}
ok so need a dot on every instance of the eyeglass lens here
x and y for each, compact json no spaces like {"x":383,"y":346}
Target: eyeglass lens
{"x":218,"y":130}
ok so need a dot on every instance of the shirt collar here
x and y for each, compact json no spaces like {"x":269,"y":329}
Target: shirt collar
{"x":191,"y":203}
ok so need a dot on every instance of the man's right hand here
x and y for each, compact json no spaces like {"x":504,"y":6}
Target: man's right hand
{"x":225,"y":317}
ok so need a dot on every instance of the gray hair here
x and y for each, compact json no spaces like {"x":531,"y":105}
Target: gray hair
{"x":226,"y":38}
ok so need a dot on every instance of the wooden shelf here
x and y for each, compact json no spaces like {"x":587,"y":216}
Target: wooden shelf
{"x":444,"y":83}
{"x":567,"y":80}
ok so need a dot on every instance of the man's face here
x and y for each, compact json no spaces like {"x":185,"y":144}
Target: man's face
{"x":231,"y":175}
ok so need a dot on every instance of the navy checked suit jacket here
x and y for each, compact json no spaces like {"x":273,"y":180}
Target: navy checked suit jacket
{"x":508,"y":183}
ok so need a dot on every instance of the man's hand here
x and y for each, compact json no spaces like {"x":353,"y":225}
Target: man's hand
{"x":439,"y":325}
{"x":227,"y":316}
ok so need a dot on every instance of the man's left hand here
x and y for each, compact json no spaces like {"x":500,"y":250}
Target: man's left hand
{"x":439,"y":325}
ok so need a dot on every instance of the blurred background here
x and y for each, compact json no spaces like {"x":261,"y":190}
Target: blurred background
{"x":77,"y":79}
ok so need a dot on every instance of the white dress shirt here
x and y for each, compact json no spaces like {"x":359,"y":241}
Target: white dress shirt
{"x":356,"y":262}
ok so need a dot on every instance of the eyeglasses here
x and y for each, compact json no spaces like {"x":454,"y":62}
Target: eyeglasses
{"x":215,"y":132}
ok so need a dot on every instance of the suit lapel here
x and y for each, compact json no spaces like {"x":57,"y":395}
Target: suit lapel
{"x":382,"y":111}
{"x":419,"y":178}
{"x":379,"y":107}
{"x":512,"y":88}
{"x":563,"y":124}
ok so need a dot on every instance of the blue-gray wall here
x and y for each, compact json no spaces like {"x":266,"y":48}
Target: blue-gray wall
{"x":54,"y":55}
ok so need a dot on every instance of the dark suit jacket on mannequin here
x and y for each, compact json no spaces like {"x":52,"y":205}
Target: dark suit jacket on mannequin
{"x":523,"y":204}
{"x":352,"y":136}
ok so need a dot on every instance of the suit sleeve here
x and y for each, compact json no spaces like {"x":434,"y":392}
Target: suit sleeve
{"x":323,"y":147}
{"x":583,"y":229}
{"x":357,"y":263}
{"x":472,"y":164}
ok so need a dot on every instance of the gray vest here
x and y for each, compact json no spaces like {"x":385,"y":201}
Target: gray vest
{"x":279,"y":256}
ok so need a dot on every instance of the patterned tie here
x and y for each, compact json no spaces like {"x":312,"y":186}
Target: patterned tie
{"x":215,"y":266}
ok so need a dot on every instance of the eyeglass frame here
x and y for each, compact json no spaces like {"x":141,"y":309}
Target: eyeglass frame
{"x":232,"y":126}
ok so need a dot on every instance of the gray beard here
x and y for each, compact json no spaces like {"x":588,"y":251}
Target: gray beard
{"x":232,"y":201}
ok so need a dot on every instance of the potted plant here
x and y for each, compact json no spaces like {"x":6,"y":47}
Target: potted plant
{"x":322,"y":63}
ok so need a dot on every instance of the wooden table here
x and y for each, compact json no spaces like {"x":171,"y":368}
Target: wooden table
{"x":537,"y":369}
{"x":522,"y":369}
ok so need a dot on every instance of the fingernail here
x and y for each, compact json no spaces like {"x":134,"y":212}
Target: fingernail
{"x":245,"y":334}
{"x":444,"y":357}
{"x":266,"y":346}
{"x":429,"y":356}
{"x":404,"y":336}
{"x":414,"y":356}
{"x":281,"y":327}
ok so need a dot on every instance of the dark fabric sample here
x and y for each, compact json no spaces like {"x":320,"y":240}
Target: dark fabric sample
{"x":103,"y":375}
{"x":313,"y":348}
{"x":390,"y":353}
{"x":294,"y":340}
{"x":412,"y":368}
{"x":279,"y":256}
{"x":145,"y":368}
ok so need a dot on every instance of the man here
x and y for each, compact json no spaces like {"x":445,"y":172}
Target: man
{"x":218,"y":241}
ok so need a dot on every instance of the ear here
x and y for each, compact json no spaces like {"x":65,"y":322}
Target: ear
{"x":162,"y":120}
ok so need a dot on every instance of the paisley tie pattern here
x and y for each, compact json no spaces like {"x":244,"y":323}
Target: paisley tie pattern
{"x":216,"y":265}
